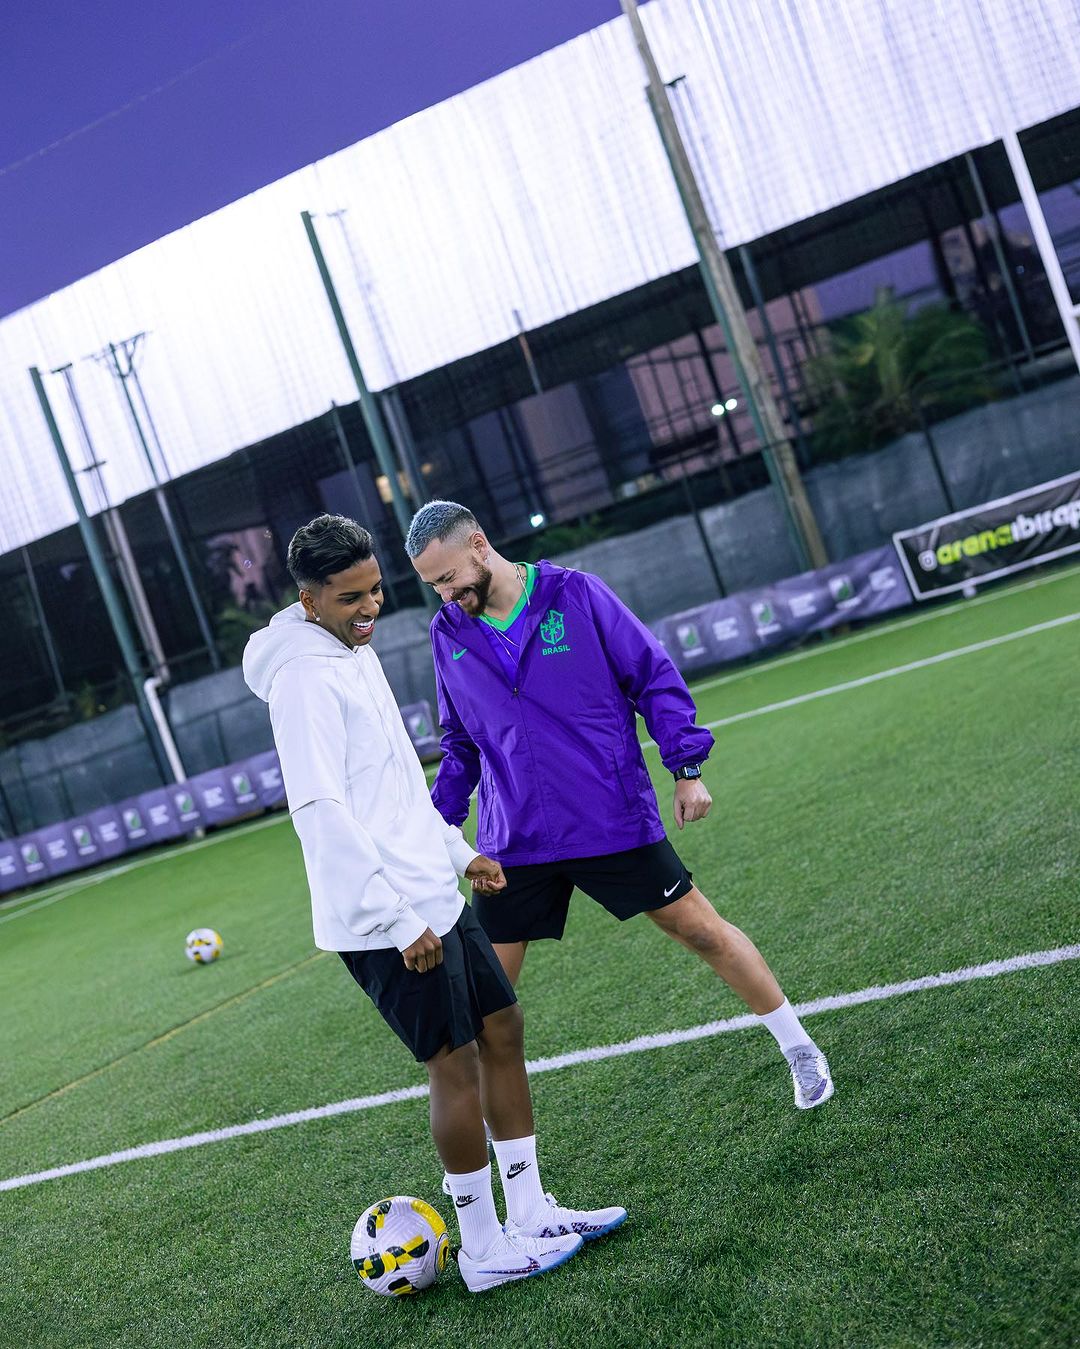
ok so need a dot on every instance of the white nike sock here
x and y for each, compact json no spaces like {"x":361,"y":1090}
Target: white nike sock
{"x":474,"y":1205}
{"x":785,"y":1027}
{"x":520,"y":1177}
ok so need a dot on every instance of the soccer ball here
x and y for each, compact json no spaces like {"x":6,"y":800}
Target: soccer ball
{"x":399,"y":1246}
{"x":203,"y":945}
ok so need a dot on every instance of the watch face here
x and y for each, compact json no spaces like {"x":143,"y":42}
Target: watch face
{"x":691,"y":771}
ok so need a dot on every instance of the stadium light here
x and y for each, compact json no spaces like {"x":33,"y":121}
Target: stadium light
{"x":537,"y":519}
{"x":717,"y":409}
{"x":731,"y":404}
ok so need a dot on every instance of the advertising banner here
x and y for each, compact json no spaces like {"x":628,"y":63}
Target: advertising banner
{"x":707,"y":636}
{"x":215,"y":797}
{"x":861,"y":587}
{"x":107,"y":827}
{"x":159,"y":814}
{"x":133,"y":821}
{"x":245,"y":797}
{"x":188,"y":814}
{"x":265,"y":773}
{"x":777,"y":615}
{"x":12,"y":871}
{"x":994,"y":539}
{"x":59,"y":848}
{"x":34,"y":861}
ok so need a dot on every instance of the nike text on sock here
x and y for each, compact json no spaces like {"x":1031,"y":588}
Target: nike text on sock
{"x":474,"y":1206}
{"x":520,"y":1178}
{"x":785,"y":1027}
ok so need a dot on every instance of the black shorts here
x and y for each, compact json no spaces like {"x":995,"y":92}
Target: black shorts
{"x":443,"y":1006}
{"x":537,"y":897}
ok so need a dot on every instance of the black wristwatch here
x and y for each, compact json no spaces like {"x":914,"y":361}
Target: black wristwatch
{"x":689,"y":771}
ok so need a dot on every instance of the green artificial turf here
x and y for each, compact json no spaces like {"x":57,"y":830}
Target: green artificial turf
{"x":912,"y":824}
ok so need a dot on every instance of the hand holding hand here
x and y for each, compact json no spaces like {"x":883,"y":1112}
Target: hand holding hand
{"x":692,"y":801}
{"x":486,"y":874}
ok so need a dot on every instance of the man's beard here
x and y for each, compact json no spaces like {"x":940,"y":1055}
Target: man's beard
{"x":480,"y":586}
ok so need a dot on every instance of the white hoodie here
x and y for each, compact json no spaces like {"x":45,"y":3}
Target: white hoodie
{"x":382,"y":864}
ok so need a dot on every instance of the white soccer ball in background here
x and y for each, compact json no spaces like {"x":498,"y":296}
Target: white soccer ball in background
{"x":399,"y":1246}
{"x":203,"y":945}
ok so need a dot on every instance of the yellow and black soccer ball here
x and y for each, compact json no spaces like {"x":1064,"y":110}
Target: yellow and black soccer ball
{"x":399,"y":1246}
{"x":203,"y":945}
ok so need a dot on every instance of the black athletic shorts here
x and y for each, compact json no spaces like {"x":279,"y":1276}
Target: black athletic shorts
{"x":443,"y":1006}
{"x":537,"y":897}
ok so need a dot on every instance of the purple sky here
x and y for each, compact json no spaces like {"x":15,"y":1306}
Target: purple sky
{"x":276,"y":84}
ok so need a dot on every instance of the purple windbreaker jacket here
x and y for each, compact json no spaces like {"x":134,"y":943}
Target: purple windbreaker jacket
{"x":557,"y":757}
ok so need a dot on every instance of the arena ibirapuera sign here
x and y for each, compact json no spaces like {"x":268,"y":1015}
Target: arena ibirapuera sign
{"x":993,"y":539}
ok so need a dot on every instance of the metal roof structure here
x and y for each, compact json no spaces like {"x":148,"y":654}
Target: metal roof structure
{"x":539,"y":193}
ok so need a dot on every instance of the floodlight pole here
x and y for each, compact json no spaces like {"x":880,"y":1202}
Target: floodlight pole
{"x":116,"y":533}
{"x":389,"y":401}
{"x":100,"y":568}
{"x":368,"y":406}
{"x":159,"y":496}
{"x":109,"y":594}
{"x":727,"y":308}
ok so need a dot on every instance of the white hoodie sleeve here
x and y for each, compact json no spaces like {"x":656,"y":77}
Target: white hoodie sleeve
{"x":343,"y":863}
{"x":458,"y":848}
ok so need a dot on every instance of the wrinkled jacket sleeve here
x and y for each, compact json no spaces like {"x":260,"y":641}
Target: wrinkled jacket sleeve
{"x":459,"y":771}
{"x":342,"y":860}
{"x":648,"y":677}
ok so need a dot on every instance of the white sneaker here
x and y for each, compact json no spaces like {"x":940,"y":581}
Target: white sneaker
{"x":515,"y":1256}
{"x":811,"y":1076}
{"x":555,"y":1221}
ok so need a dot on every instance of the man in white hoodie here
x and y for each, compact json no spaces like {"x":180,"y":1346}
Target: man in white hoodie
{"x":382,"y":868}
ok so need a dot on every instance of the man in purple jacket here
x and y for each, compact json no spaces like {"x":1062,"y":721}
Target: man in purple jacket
{"x":541,"y":672}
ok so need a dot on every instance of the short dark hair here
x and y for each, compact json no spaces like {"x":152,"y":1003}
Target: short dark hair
{"x":437,"y":520}
{"x":329,"y":544}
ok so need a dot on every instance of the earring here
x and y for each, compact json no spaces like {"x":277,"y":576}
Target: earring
{"x":318,"y":619}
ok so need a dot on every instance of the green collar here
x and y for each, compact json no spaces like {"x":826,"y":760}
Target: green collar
{"x":503,"y":624}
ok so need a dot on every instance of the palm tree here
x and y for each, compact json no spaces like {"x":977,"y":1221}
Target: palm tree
{"x":890,"y":371}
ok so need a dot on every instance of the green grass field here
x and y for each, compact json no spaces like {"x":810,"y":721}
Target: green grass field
{"x":904,"y":826}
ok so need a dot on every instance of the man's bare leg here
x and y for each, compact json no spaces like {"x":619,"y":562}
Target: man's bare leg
{"x":457,"y":1124}
{"x":504,"y":1083}
{"x":511,"y":957}
{"x":695,"y":924}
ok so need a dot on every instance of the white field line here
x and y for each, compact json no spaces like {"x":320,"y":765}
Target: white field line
{"x":884,"y":674}
{"x":880,"y":630}
{"x":876,"y":993}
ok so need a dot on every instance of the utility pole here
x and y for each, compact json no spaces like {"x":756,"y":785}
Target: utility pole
{"x":397,"y":422}
{"x":123,"y":375}
{"x":116,"y":533}
{"x":99,"y":566}
{"x":368,"y":406}
{"x":727,"y":307}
